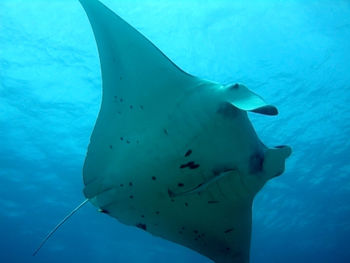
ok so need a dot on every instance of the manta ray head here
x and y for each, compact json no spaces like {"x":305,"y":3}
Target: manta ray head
{"x":252,"y":159}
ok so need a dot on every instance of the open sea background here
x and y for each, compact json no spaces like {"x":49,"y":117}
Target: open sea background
{"x":296,"y":54}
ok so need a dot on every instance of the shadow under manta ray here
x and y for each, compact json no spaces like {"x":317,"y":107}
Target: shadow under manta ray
{"x":173,"y":154}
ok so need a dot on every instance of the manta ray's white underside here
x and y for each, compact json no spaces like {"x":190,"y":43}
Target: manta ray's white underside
{"x":171,"y":153}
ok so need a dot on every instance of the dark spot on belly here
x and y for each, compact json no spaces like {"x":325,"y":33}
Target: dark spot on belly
{"x":187,"y":165}
{"x":121,"y":138}
{"x":154,"y":178}
{"x":131,"y":107}
{"x":186,"y":204}
{"x":127,"y":141}
{"x":195,"y":231}
{"x":213,"y":202}
{"x":110,"y":146}
{"x":195,"y":166}
{"x":142,"y":216}
{"x":131,"y":196}
{"x":165,"y":131}
{"x":142,"y":226}
{"x":157,"y":212}
{"x":130,"y":184}
{"x":180,"y":184}
{"x":188,"y":153}
{"x":228,"y":230}
{"x":141,"y":107}
{"x":190,"y":165}
{"x":121,"y":100}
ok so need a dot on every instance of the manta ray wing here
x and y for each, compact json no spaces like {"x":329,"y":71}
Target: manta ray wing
{"x":170,"y":153}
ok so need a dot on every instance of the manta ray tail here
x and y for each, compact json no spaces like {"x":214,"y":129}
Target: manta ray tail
{"x":59,"y":224}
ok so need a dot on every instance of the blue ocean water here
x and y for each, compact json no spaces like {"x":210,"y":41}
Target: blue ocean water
{"x":296,"y":54}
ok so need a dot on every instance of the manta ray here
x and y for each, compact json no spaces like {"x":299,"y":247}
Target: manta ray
{"x":173,"y":154}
